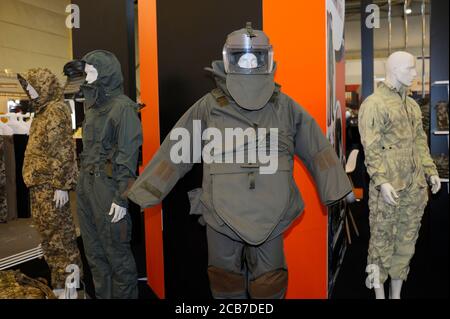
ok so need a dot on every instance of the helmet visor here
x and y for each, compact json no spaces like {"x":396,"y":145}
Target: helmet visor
{"x":248,"y":61}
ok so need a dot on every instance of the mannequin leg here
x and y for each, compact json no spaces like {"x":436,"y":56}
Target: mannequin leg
{"x":268,"y":272}
{"x":395,"y":288}
{"x":227,"y":276}
{"x":379,"y":293}
{"x":382,"y":239}
{"x":410,"y":213}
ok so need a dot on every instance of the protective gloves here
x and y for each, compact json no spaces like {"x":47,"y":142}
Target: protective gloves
{"x":118,"y":212}
{"x":435,"y":183}
{"x":389,"y":194}
{"x":61,"y":198}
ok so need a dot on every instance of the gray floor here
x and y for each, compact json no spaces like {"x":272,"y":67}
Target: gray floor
{"x":19,"y":235}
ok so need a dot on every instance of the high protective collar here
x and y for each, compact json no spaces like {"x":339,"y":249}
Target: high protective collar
{"x":250,"y":92}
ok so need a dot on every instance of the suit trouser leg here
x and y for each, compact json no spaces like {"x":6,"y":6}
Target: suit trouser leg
{"x":107,"y":245}
{"x":90,"y":226}
{"x":237,"y":270}
{"x":407,"y":228}
{"x":268,"y":274}
{"x":57,"y":231}
{"x":394,"y":231}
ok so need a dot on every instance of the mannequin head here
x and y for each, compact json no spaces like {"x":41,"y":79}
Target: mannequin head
{"x":401,"y":69}
{"x":248,"y":61}
{"x":31,"y":91}
{"x":41,"y":86}
{"x":91,"y":73}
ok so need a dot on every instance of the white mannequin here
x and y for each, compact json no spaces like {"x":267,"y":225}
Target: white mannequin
{"x":400,"y":74}
{"x":117,"y":211}
{"x":32,"y":92}
{"x":28,"y":122}
{"x":91,"y":73}
{"x":17,"y":127}
{"x":248,"y":61}
{"x":5,"y":130}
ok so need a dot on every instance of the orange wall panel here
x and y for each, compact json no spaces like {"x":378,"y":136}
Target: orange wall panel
{"x":298,"y":34}
{"x":150,"y":124}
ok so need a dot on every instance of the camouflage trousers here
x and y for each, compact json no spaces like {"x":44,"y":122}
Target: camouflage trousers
{"x":57,"y":231}
{"x":394,"y":230}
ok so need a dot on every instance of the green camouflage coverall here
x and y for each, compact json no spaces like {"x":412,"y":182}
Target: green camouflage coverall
{"x":396,"y":150}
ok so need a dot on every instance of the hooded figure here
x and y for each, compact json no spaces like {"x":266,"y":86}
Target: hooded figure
{"x":50,"y":171}
{"x":112,"y":135}
{"x":246,"y":204}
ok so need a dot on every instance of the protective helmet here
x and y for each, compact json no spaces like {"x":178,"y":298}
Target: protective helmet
{"x":248,"y":51}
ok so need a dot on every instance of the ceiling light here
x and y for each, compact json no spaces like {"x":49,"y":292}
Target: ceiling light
{"x":408,"y":11}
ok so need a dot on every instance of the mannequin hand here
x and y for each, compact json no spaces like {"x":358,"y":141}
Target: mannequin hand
{"x":118,"y":212}
{"x":435,"y":182}
{"x":61,"y":198}
{"x":389,"y":194}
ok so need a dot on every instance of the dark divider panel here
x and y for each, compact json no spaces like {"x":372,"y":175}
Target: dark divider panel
{"x":109,"y":25}
{"x":438,"y":217}
{"x":191,"y":34}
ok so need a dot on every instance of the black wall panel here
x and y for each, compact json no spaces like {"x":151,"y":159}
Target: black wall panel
{"x":108,"y":25}
{"x":191,"y":34}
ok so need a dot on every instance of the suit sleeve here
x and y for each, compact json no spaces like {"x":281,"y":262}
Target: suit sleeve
{"x":129,"y":140}
{"x":320,"y":159}
{"x":61,"y":147}
{"x":422,"y":144}
{"x":371,"y":125}
{"x":162,"y":173}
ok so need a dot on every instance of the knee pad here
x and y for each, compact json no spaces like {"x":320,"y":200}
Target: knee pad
{"x":271,"y":285}
{"x":225,"y":284}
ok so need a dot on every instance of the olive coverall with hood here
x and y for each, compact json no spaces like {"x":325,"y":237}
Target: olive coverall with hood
{"x":112,"y":135}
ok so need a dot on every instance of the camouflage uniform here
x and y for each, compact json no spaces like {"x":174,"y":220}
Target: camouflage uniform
{"x":15,"y":285}
{"x":3,"y":200}
{"x":50,"y":165}
{"x":442,"y":116}
{"x":396,"y":149}
{"x":441,"y":161}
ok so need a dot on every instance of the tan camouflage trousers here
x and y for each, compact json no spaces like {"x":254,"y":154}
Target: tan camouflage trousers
{"x":58,"y":235}
{"x":394,"y":231}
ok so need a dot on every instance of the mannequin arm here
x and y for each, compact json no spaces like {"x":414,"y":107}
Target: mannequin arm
{"x":370,"y":128}
{"x":422,"y":145}
{"x":61,"y":147}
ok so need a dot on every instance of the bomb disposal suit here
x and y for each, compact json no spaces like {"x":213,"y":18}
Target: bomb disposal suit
{"x":112,"y":136}
{"x":397,"y":152}
{"x":247,"y":209}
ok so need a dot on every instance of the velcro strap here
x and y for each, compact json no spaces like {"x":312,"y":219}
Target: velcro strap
{"x":220,"y":97}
